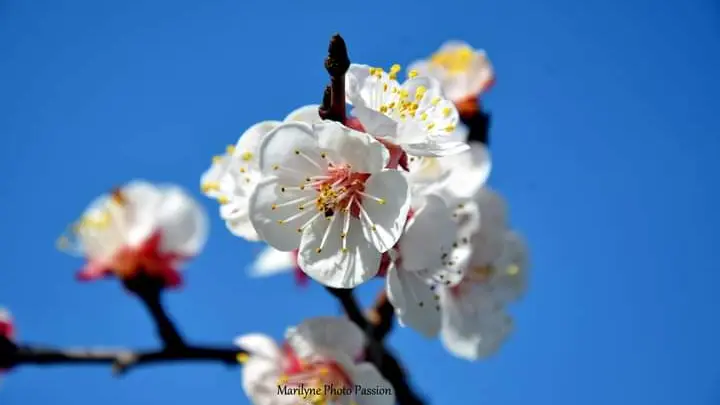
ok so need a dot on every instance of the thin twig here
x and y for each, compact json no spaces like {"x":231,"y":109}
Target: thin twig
{"x":378,"y":354}
{"x":479,"y":126}
{"x":149,"y":290}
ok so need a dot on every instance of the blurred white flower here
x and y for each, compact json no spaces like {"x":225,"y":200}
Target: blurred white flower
{"x":233,"y":176}
{"x":455,"y":177}
{"x":138,"y":227}
{"x":426,"y":255}
{"x":505,"y":279}
{"x":413,"y":115}
{"x":316,"y":365}
{"x":326,"y":192}
{"x":463,"y":72}
{"x":271,"y":262}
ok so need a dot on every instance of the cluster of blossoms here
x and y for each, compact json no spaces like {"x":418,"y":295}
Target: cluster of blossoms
{"x":397,"y":190}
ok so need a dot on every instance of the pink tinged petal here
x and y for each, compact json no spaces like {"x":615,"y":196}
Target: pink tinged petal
{"x":326,"y":335}
{"x":290,"y":152}
{"x":6,"y":324}
{"x":272,"y":261}
{"x":436,"y":149}
{"x":386,"y":204}
{"x":344,"y":145}
{"x":331,"y":265}
{"x":269,"y":216}
{"x":375,"y":122}
{"x":183,"y":223}
{"x":415,"y":303}
{"x":428,"y":235}
{"x":309,"y":114}
{"x":371,"y":388}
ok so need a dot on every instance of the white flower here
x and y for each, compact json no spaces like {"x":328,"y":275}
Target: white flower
{"x":317,"y":354}
{"x":140,"y":226}
{"x":455,"y":177}
{"x":427,"y":254}
{"x":327,"y":193}
{"x":473,"y":325}
{"x":413,"y":115}
{"x":505,"y":279}
{"x":463,"y":72}
{"x":272,"y":261}
{"x":233,"y":176}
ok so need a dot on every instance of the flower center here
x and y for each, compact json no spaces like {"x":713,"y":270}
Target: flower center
{"x":399,"y":104}
{"x":317,"y":382}
{"x":456,"y":61}
{"x":338,"y":190}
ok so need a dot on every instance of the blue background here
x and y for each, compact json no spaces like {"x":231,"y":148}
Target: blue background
{"x":605,"y":142}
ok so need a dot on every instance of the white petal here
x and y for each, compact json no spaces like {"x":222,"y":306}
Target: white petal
{"x":367,"y":378}
{"x":344,"y":145}
{"x":139,"y":211}
{"x":293,"y":147}
{"x":509,"y":280}
{"x":215,"y":182}
{"x":247,"y":147}
{"x":375,"y":122}
{"x":309,"y":114}
{"x":429,"y":234}
{"x":436,"y":149}
{"x":389,"y":217}
{"x":326,"y":335}
{"x":470,"y":172}
{"x":332,"y":267}
{"x":183,"y":223}
{"x":488,"y":243}
{"x":257,"y":344}
{"x":473,"y":334}
{"x":5,"y":315}
{"x":272,"y":261}
{"x":281,"y":236}
{"x":236,"y":214}
{"x":414,"y":301}
{"x":260,"y":382}
{"x":355,"y":80}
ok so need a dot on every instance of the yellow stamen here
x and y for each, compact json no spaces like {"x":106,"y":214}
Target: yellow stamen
{"x":242,"y":358}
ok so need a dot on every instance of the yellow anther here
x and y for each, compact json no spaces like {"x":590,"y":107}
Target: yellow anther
{"x":283,"y":379}
{"x":412,"y":74}
{"x":446,"y":111}
{"x":217,"y":159}
{"x":385,"y":87}
{"x":381,"y":201}
{"x":383,"y":109}
{"x":435,"y":101}
{"x":230,"y":149}
{"x":423,"y":116}
{"x":275,"y":167}
{"x":324,"y":371}
{"x":318,"y":250}
{"x":513,"y":269}
{"x":420,"y":92}
{"x":373,"y":228}
{"x":223,"y":200}
{"x":342,"y":235}
{"x":242,"y":358}
{"x":430,"y":126}
{"x":395,"y":68}
{"x":344,"y":250}
{"x":118,"y":197}
{"x":273,"y":207}
{"x":323,"y":155}
{"x":243,"y":170}
{"x":281,"y":221}
{"x":247,"y":156}
{"x":449,"y":128}
{"x":210,"y":186}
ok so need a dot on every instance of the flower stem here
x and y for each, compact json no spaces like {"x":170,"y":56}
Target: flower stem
{"x":149,"y":290}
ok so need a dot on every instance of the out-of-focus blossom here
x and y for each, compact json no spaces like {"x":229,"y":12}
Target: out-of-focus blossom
{"x":140,"y":227}
{"x":232,"y":177}
{"x":272,"y":261}
{"x":427,"y":254}
{"x":413,"y":115}
{"x":7,"y":329}
{"x":327,"y":193}
{"x":317,"y":364}
{"x":464,"y":73}
{"x":505,"y":279}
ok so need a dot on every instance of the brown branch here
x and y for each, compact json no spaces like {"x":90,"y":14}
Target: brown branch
{"x":337,"y":64}
{"x":149,"y":291}
{"x":382,"y":316}
{"x":121,"y":360}
{"x":376,"y":351}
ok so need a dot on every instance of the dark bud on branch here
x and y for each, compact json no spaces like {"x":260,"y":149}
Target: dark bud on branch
{"x":337,"y":64}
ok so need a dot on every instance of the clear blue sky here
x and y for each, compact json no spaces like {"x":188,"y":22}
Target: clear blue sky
{"x":605,"y":143}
